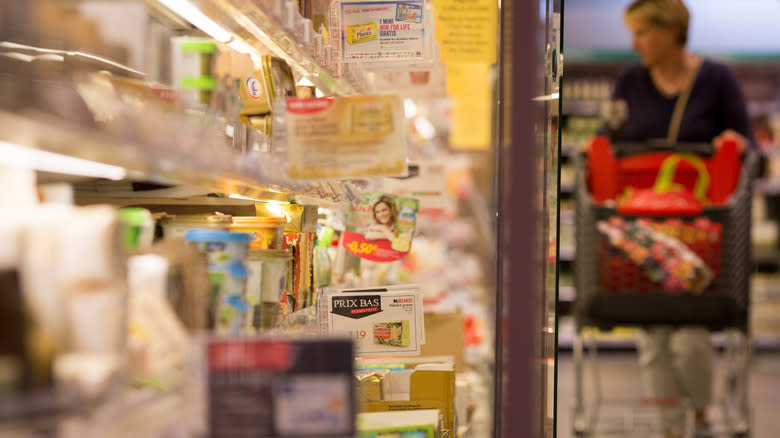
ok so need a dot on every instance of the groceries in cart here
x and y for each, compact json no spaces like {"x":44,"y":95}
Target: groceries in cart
{"x":659,"y":249}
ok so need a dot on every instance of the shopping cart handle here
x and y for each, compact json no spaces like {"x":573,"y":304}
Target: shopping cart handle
{"x":627,"y":149}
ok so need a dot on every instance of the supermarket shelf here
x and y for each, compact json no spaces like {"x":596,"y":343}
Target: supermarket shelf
{"x":568,"y":216}
{"x":158,"y":204}
{"x":225,"y":171}
{"x":766,"y":342}
{"x":568,"y":150}
{"x":758,"y":108}
{"x":567,"y":293}
{"x":567,"y":254}
{"x":766,"y":260}
{"x":581,"y":107}
{"x":624,"y":56}
{"x":248,"y":22}
{"x":768,"y":186}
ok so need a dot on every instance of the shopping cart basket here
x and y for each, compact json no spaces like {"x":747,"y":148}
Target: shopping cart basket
{"x":613,"y":291}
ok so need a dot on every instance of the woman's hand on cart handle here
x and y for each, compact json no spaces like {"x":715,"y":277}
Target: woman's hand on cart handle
{"x":730,"y":134}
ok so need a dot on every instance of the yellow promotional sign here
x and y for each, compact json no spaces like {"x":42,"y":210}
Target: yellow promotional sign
{"x":471,"y":90}
{"x":467,"y":30}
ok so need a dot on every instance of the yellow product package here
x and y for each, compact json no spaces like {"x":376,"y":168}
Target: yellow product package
{"x":279,"y":77}
{"x":255,"y":95}
{"x":361,"y":33}
{"x":371,"y":386}
{"x":393,"y":333}
{"x":263,"y":124}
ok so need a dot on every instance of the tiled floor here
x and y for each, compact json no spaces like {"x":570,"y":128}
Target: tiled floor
{"x":620,"y":379}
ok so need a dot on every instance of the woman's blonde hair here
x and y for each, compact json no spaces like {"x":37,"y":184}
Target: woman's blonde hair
{"x":663,"y":13}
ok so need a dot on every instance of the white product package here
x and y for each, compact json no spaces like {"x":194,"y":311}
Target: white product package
{"x":89,"y":249}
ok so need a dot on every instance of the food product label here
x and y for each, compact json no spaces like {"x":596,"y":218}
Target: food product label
{"x":382,"y":227}
{"x":345,"y":137}
{"x":388,"y":322}
{"x":253,"y":88}
{"x":383,"y":31}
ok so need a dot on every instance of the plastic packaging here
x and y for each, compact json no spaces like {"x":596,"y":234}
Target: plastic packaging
{"x":227,"y":255}
{"x":224,"y":248}
{"x":322,"y":262}
{"x":138,"y":228}
{"x":266,"y":286}
{"x":232,"y":307}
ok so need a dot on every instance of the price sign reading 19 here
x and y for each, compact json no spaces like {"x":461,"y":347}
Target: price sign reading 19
{"x":358,"y":334}
{"x":361,"y":248}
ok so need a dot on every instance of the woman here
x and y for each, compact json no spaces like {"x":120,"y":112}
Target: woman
{"x":678,"y":96}
{"x":385,"y":213}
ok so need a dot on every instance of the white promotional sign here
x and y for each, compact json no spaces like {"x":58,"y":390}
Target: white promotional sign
{"x":382,"y":322}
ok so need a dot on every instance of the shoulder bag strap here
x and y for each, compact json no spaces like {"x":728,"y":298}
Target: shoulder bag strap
{"x":679,"y":108}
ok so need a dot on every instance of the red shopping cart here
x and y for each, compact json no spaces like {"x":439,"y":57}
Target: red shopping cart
{"x":621,"y":183}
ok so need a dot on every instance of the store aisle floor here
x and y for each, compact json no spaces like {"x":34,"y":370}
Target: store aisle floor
{"x":620,"y":379}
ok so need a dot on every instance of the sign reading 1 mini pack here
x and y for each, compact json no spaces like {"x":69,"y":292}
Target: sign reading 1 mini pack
{"x":373,"y":31}
{"x":381,"y":322}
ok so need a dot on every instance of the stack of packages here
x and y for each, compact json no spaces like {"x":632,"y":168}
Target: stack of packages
{"x":675,"y":254}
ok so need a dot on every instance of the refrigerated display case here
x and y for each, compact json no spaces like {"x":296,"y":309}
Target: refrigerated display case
{"x":158,"y":194}
{"x":530,"y":156}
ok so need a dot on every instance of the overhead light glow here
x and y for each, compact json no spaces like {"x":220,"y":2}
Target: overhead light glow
{"x":15,"y":155}
{"x":237,"y":196}
{"x":242,"y":47}
{"x":425,"y":128}
{"x":191,"y":13}
{"x":410,"y":109}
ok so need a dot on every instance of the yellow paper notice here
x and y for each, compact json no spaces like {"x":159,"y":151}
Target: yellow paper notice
{"x":471,"y":91}
{"x":467,"y":30}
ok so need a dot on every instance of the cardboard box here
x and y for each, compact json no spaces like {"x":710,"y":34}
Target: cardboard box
{"x":428,"y":386}
{"x":444,"y":336}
